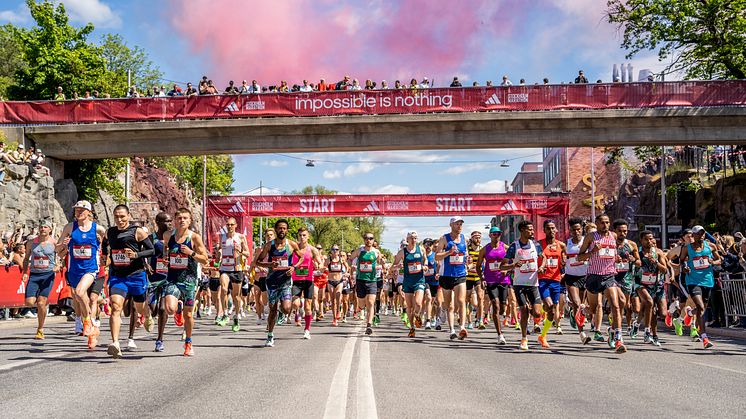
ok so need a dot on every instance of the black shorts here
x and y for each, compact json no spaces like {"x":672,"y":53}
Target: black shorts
{"x":236,"y":277}
{"x":471,"y":284}
{"x":245,"y":287}
{"x":450,"y":282}
{"x":379,"y":284}
{"x":213,"y":284}
{"x":334,"y":284}
{"x":303,"y":289}
{"x":433,"y":289}
{"x":498,"y":292}
{"x":574,"y":281}
{"x":97,"y":286}
{"x":364,"y":288}
{"x":597,"y":284}
{"x":261,"y":283}
{"x":700,"y":290}
{"x":527,"y":295}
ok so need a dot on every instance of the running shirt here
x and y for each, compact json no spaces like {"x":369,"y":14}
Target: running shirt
{"x":42,"y":257}
{"x":158,"y":261}
{"x":121,"y":265}
{"x":454,"y":265}
{"x":304,"y":272}
{"x":602,"y":262}
{"x":553,"y":255}
{"x":493,"y":258}
{"x":573,"y":266}
{"x":649,"y":273}
{"x":430,"y":267}
{"x":413,"y":264}
{"x":472,"y":275}
{"x":335,"y":266}
{"x":623,"y":264}
{"x":83,"y":250}
{"x":276,"y":275}
{"x":528,"y":273}
{"x":231,"y":253}
{"x":366,"y":265}
{"x":700,"y":266}
{"x":182,"y":269}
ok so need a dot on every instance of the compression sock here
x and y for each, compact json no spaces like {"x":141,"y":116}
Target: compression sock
{"x":546,"y":327}
{"x":307,"y":320}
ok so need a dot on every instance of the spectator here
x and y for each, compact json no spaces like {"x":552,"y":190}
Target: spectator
{"x":322,"y":86}
{"x":425,"y":83}
{"x":133,"y":92}
{"x":231,"y":89}
{"x":190,"y":91}
{"x":87,"y":95}
{"x":475,"y":84}
{"x":356,"y":85}
{"x":413,"y":84}
{"x":343,"y":84}
{"x":203,"y":86}
{"x":522,"y":82}
{"x":211,"y":89}
{"x":369,"y":84}
{"x":59,"y":95}
{"x":546,"y":80}
{"x":455,"y":82}
{"x":506,"y":81}
{"x":284,"y":88}
{"x":255,"y":88}
{"x":75,"y":96}
{"x":398,"y":85}
{"x":244,"y":89}
{"x":175,"y":90}
{"x":384,"y":85}
{"x":156,"y":91}
{"x":5,"y":156}
{"x":95,"y":94}
{"x":599,"y":81}
{"x":581,"y":78}
{"x":489,"y":83}
{"x":19,"y":154}
{"x":305,"y":87}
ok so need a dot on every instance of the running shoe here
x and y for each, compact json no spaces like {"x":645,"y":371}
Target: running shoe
{"x":635,"y":330}
{"x":611,"y":340}
{"x":598,"y":337}
{"x":559,"y":330}
{"x":280,"y":319}
{"x":179,"y":319}
{"x":481,"y":326}
{"x":376,"y":320}
{"x":140,"y":320}
{"x":131,"y":345}
{"x":236,"y":326}
{"x":585,"y":339}
{"x":524,"y":345}
{"x":694,"y":334}
{"x":149,"y":324}
{"x":270,"y":342}
{"x":706,"y":343}
{"x":188,"y":350}
{"x":224,"y":321}
{"x":462,"y":334}
{"x":87,"y":327}
{"x":537,"y":328}
{"x":648,"y":338}
{"x":93,"y":338}
{"x":543,"y":341}
{"x":501,"y":340}
{"x":368,"y":330}
{"x":306,"y":334}
{"x":669,"y":319}
{"x":656,"y":342}
{"x":427,"y":325}
{"x":114,"y":350}
{"x":159,"y":346}
{"x":679,"y":326}
{"x":688,"y":317}
{"x":411,"y":333}
{"x":579,"y":317}
{"x":619,"y":347}
{"x":418,"y":322}
{"x":334,"y":322}
{"x":297,"y":322}
{"x":96,"y":323}
{"x":438,"y":326}
{"x":469,"y":326}
{"x":453,"y":335}
{"x":517,"y":326}
{"x":404,"y":317}
{"x":217,"y":320}
{"x":258,"y":321}
{"x":39,"y":334}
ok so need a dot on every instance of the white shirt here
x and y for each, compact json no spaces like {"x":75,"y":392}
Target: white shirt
{"x":257,"y":89}
{"x":358,"y":87}
{"x":305,"y":89}
{"x":506,"y":83}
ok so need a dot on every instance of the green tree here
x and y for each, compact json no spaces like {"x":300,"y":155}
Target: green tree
{"x":704,"y":38}
{"x":120,"y":59}
{"x":92,"y":176}
{"x":294,"y":223}
{"x":10,"y":60}
{"x":189,"y":169}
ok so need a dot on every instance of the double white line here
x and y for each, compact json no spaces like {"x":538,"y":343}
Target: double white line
{"x":336,"y":403}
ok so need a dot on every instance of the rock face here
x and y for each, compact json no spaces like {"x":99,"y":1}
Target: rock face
{"x":27,"y":199}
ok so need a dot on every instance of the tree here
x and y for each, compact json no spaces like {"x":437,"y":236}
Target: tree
{"x":120,"y":59}
{"x":10,"y":60}
{"x":705,"y":39}
{"x":92,"y":176}
{"x":188,"y":169}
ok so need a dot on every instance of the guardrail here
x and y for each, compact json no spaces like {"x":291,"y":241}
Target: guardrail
{"x":734,"y":295}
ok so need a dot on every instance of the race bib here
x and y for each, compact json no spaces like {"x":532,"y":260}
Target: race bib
{"x":40,"y":262}
{"x":228,"y":261}
{"x":414,"y":267}
{"x":178,"y":261}
{"x":426,"y":270}
{"x":119,"y":258}
{"x":457,"y":259}
{"x":335,"y":267}
{"x":495,"y":266}
{"x":282,"y":262}
{"x":701,"y":262}
{"x":302,"y":271}
{"x":572,"y":260}
{"x":622,"y":266}
{"x":365,"y":267}
{"x":82,"y":252}
{"x":649,"y":278}
{"x":552,"y":262}
{"x":160,"y":266}
{"x":606,"y":252}
{"x":529,"y":265}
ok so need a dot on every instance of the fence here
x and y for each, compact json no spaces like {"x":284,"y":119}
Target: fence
{"x":734,"y":295}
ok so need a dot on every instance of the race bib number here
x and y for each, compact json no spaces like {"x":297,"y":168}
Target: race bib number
{"x":572,"y":260}
{"x":494,"y":266}
{"x":649,"y":278}
{"x":178,"y":261}
{"x":160,"y":266}
{"x":366,"y":267}
{"x":336,"y":267}
{"x":119,"y":258}
{"x":457,"y":259}
{"x":228,"y":261}
{"x":606,"y":252}
{"x":622,"y":266}
{"x":82,"y":252}
{"x":40,"y":262}
{"x":414,"y":267}
{"x":552,"y":262}
{"x":282,"y":262}
{"x":302,"y":271}
{"x":701,"y":262}
{"x":529,"y":265}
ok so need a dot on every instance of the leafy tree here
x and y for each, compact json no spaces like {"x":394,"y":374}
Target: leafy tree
{"x":294,"y":223}
{"x":10,"y":60}
{"x":704,"y":38}
{"x":643,"y":153}
{"x":189,"y":169}
{"x":120,"y":59}
{"x":92,"y":176}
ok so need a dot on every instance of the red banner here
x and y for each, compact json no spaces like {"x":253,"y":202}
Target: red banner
{"x":376,"y":102}
{"x":13,"y":291}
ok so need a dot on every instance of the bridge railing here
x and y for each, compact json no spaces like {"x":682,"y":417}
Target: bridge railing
{"x":377,"y":102}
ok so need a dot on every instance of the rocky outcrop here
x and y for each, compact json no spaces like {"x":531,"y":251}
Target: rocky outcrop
{"x":27,"y":198}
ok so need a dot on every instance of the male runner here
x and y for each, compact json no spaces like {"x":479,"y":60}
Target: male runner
{"x":260,"y":283}
{"x":366,"y":283}
{"x":654,"y":266}
{"x":159,"y":274}
{"x":451,"y":249}
{"x":698,"y":258}
{"x":129,"y":246}
{"x":41,"y":261}
{"x":474,"y":289}
{"x":413,"y":258}
{"x":575,"y":272}
{"x":627,"y":262}
{"x":433,"y":295}
{"x":233,"y":250}
{"x":554,"y":256}
{"x":496,"y":282}
{"x":305,"y":259}
{"x":82,"y":241}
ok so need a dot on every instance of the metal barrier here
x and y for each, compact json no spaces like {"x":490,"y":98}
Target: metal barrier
{"x":734,"y":295}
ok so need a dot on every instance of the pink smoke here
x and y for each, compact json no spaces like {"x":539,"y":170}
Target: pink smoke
{"x":296,"y":39}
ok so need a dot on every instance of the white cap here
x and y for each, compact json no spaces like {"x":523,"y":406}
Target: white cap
{"x":456,"y":219}
{"x":21,"y":146}
{"x":84,"y":205}
{"x":412,"y":234}
{"x":697,"y":229}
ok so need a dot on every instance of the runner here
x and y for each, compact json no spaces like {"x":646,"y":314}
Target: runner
{"x":433,"y":295}
{"x":553,"y":258}
{"x":698,"y":258}
{"x":217,"y":292}
{"x":651,"y":290}
{"x":451,"y":249}
{"x":320,"y":282}
{"x":496,"y":282}
{"x":627,"y":262}
{"x":346,"y":286}
{"x":368,"y":257}
{"x":304,"y":259}
{"x":185,"y":251}
{"x":599,"y":248}
{"x":159,"y":274}
{"x":474,"y":289}
{"x":575,"y":272}
{"x":41,"y":261}
{"x":336,"y":265}
{"x":233,"y":250}
{"x":522,"y":258}
{"x":412,"y":257}
{"x":260,"y":283}
{"x":129,"y":246}
{"x":275,"y":255}
{"x":82,"y":241}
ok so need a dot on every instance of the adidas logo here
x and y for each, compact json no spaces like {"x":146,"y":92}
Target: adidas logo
{"x":509,"y":206}
{"x":21,"y":289}
{"x":493,"y":100}
{"x":232,"y":107}
{"x":372,"y":207}
{"x":237,"y":208}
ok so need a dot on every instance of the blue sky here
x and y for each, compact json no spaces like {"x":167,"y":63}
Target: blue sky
{"x":295,"y":39}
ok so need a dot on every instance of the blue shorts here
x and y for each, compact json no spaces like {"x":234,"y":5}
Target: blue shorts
{"x":133,"y":285}
{"x":73,"y":278}
{"x":412,"y":286}
{"x":39,"y":284}
{"x":549,"y":289}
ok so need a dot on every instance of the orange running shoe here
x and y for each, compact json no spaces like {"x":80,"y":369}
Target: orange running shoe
{"x":669,"y":319}
{"x":580,"y":317}
{"x":543,"y":341}
{"x":334,"y":322}
{"x":462,"y":334}
{"x":418,"y":322}
{"x":87,"y":327}
{"x":188,"y":351}
{"x":179,"y":319}
{"x":93,"y":338}
{"x":411,"y":333}
{"x":688,"y":317}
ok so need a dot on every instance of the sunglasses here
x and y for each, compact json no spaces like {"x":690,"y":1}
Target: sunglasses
{"x":368,"y":238}
{"x":335,"y":249}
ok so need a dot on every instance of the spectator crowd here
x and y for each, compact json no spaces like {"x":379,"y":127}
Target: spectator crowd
{"x":31,"y":157}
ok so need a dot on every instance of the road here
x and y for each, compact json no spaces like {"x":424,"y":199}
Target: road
{"x":341,"y":373}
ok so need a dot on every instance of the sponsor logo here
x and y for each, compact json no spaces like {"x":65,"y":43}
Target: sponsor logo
{"x":517,"y":97}
{"x":21,"y":288}
{"x":232,"y":107}
{"x":372,"y":207}
{"x":453,"y":204}
{"x":509,"y":206}
{"x":249,"y":105}
{"x":237,"y":208}
{"x":262,"y":206}
{"x":317,"y":205}
{"x":397,"y":205}
{"x":493,"y":100}
{"x":349,"y":101}
{"x":537,"y":204}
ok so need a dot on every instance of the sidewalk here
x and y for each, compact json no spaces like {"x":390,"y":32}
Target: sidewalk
{"x":737,"y":333}
{"x":24,"y":322}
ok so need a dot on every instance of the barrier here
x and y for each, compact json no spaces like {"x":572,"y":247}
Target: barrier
{"x":13,"y":290}
{"x":376,"y":102}
{"x":734,"y":295}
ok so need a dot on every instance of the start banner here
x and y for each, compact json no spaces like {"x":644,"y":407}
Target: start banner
{"x":377,"y":102}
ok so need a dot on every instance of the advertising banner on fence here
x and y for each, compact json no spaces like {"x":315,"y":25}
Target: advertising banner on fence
{"x":13,"y":290}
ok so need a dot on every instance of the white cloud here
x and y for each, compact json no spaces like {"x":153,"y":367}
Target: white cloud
{"x":332,"y":174}
{"x":18,"y":16}
{"x":275,"y":163}
{"x":359,"y":168}
{"x":386,"y":189}
{"x":491,"y":186}
{"x":468,"y":167}
{"x":94,"y":11}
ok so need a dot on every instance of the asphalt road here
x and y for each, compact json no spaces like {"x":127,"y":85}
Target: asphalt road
{"x":341,"y":373}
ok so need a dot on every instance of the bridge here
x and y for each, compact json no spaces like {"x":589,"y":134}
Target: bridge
{"x":669,"y":113}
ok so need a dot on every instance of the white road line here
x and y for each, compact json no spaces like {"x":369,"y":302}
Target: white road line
{"x":719,"y":368}
{"x":366,"y":398}
{"x":12,"y":365}
{"x":336,"y":403}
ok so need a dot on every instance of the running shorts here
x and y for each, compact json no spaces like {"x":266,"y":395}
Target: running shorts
{"x":498,"y":292}
{"x":184,"y":291}
{"x":626,"y":282}
{"x":334,"y":283}
{"x":597,"y":284}
{"x":433,"y":289}
{"x":303,"y":289}
{"x":575,"y":281}
{"x":550,"y":289}
{"x":700,"y":290}
{"x":410,"y":287}
{"x":236,"y":277}
{"x":39,"y":284}
{"x":214,"y":284}
{"x":261,"y":282}
{"x":364,"y":288}
{"x":470,"y":285}
{"x":655,"y":291}
{"x":527,"y":295}
{"x":134,"y":286}
{"x":450,"y":282}
{"x":74,"y":279}
{"x":245,"y":287}
{"x":284,"y":292}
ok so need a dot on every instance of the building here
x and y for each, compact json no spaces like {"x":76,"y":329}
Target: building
{"x":529,"y":179}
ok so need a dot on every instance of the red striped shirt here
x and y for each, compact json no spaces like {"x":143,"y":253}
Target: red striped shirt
{"x":602,"y":261}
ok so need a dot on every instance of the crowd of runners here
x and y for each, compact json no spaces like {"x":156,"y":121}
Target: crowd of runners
{"x":450,"y":284}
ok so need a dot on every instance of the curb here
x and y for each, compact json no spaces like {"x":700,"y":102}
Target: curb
{"x":739,"y":333}
{"x":23,"y":323}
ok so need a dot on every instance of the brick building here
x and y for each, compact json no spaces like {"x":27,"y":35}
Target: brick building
{"x":529,"y":179}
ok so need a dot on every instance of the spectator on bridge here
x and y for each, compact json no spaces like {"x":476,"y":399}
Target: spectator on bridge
{"x":581,"y":78}
{"x":203,"y":86}
{"x":455,"y":83}
{"x":175,"y":90}
{"x":244,"y":89}
{"x":356,"y":85}
{"x":5,"y":156}
{"x":384,"y":85}
{"x":475,"y":84}
{"x":211,"y":89}
{"x":87,"y":95}
{"x":322,"y":86}
{"x":284,"y":88}
{"x":522,"y":82}
{"x":133,"y":92}
{"x":255,"y":88}
{"x":59,"y":95}
{"x":369,"y":84}
{"x":305,"y":87}
{"x":546,"y":80}
{"x":506,"y":81}
{"x":488,"y":83}
{"x":19,"y":154}
{"x":343,"y":84}
{"x":231,"y":89}
{"x":425,"y":84}
{"x":413,"y":84}
{"x":190,"y":91}
{"x":398,"y":85}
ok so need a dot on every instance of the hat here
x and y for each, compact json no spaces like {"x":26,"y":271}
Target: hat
{"x":686,"y":231}
{"x":45,"y":223}
{"x":428,"y":241}
{"x":476,"y":232}
{"x":698,"y":229}
{"x":21,"y":146}
{"x":38,"y":150}
{"x":495,"y":229}
{"x":84,"y":205}
{"x":456,"y":219}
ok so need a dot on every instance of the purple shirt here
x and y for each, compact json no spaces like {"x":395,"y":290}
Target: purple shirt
{"x":492,"y":260}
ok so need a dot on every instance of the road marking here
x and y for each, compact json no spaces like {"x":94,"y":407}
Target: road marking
{"x":719,"y":368}
{"x":366,"y":398}
{"x":13,"y":365}
{"x":336,"y":403}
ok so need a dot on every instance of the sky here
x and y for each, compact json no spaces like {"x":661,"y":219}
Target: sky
{"x":476,"y":40}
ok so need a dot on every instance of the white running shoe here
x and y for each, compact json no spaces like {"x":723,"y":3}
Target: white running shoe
{"x":306,"y":334}
{"x":427,"y":325}
{"x":131,"y":345}
{"x":501,"y":340}
{"x":259,"y":320}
